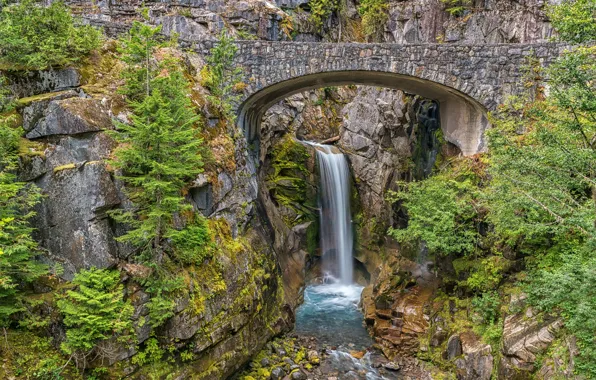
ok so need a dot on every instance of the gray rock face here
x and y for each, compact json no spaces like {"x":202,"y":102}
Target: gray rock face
{"x":492,"y":21}
{"x":72,"y":222}
{"x":68,"y":117}
{"x":41,"y":82}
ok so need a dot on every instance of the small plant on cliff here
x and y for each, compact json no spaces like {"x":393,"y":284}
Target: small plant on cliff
{"x":457,"y":7}
{"x":36,"y":37}
{"x":138,"y":48}
{"x":95,"y":312}
{"x":374,"y":17}
{"x":17,"y":249}
{"x":320,"y":10}
{"x":222,"y":77}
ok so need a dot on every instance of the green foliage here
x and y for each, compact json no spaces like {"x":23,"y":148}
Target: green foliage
{"x":159,"y":153}
{"x":320,"y":10}
{"x":575,"y":20}
{"x":487,"y":307}
{"x":137,"y":49}
{"x":222,"y":77}
{"x":539,"y":197}
{"x":152,"y":353}
{"x":569,"y":289}
{"x":457,"y":7}
{"x":288,"y":181}
{"x":35,"y":37}
{"x":17,"y":249}
{"x":95,"y":311}
{"x":374,"y":17}
{"x":443,"y":211}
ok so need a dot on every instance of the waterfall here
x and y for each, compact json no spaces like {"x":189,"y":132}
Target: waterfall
{"x":337,"y":239}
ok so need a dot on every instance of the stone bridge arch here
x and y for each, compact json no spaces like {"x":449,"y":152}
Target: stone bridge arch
{"x":466,"y":80}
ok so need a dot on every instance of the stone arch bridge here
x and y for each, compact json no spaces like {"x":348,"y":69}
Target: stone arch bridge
{"x":466,"y":80}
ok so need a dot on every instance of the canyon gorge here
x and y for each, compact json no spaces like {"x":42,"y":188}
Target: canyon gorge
{"x":324,"y":123}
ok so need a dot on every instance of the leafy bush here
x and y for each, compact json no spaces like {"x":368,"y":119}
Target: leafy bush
{"x":487,"y":307}
{"x":374,"y":17}
{"x":95,"y":311}
{"x":575,"y":20}
{"x":569,"y":289}
{"x":320,"y":10}
{"x":443,"y":211}
{"x":36,"y":37}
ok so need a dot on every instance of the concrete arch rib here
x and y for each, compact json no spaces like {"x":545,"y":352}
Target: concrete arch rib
{"x":463,"y":119}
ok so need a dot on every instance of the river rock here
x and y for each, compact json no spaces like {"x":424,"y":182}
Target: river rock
{"x":313,"y":357}
{"x":298,"y":375}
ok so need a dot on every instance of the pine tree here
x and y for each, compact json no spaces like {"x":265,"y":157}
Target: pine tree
{"x":159,"y":153}
{"x":95,"y":311}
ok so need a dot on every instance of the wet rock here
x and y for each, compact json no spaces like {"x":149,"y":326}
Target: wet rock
{"x":392,"y":366}
{"x":298,"y":375}
{"x":265,"y":362}
{"x":524,"y":337}
{"x":313,"y":357}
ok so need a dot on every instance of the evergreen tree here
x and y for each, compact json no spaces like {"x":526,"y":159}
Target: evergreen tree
{"x":95,"y":312}
{"x":17,"y":249}
{"x":222,"y":77}
{"x":160,"y":152}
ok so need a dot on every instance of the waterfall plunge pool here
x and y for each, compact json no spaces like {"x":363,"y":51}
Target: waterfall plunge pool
{"x":330,"y":313}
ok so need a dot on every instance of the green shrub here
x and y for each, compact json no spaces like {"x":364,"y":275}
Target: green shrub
{"x":95,"y":311}
{"x":456,"y":7}
{"x":443,"y":211}
{"x":37,"y":37}
{"x":575,"y":21}
{"x":222,"y":77}
{"x":487,"y":307}
{"x":320,"y":10}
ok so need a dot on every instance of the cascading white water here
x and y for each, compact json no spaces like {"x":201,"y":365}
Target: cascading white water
{"x":337,"y":239}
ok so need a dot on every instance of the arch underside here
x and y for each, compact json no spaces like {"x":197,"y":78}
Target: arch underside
{"x":463,"y":119}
